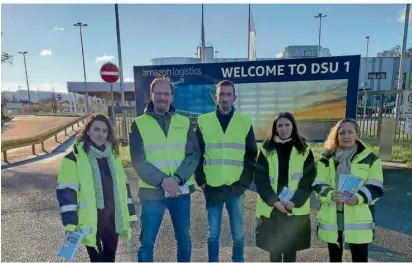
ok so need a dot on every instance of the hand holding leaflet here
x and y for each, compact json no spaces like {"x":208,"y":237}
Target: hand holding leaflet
{"x":349,"y":185}
{"x":70,"y":246}
{"x":285,"y":195}
{"x":182,"y":190}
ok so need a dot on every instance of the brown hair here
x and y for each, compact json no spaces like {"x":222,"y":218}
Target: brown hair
{"x":332,"y":142}
{"x":226,"y":83}
{"x":161,"y":80}
{"x":82,"y":136}
{"x":298,"y":141}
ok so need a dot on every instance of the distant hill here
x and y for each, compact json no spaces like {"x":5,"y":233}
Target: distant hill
{"x":35,"y":96}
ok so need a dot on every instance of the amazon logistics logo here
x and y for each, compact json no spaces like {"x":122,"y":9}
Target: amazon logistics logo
{"x":175,"y":75}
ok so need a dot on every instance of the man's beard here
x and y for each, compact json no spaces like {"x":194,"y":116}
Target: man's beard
{"x":161,"y":109}
{"x":225,"y":107}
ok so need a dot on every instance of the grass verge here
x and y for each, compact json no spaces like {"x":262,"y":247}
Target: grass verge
{"x":399,"y":153}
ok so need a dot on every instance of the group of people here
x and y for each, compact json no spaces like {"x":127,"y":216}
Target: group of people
{"x":220,"y":156}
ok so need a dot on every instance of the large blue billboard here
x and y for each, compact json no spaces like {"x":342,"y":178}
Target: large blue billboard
{"x":318,"y":91}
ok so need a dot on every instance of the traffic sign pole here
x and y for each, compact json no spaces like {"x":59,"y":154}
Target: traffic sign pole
{"x":113,"y":116}
{"x":110,"y":74}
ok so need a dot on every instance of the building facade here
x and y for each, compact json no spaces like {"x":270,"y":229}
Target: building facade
{"x":304,"y":51}
{"x":381,"y":73}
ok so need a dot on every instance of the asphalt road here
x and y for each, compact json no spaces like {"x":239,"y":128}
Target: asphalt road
{"x":32,"y":230}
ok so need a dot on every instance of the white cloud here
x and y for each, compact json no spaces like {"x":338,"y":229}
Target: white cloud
{"x":46,"y":52}
{"x":401,"y":15}
{"x":104,"y":58}
{"x":128,"y":80}
{"x":57,"y":28}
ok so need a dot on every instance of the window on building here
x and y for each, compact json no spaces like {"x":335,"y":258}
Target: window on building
{"x":396,"y":80}
{"x":377,"y":75}
{"x":410,"y":80}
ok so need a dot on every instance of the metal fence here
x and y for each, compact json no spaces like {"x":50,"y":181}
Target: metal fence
{"x":375,"y":106}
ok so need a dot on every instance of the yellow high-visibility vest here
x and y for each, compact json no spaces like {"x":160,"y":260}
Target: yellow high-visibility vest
{"x":164,"y":152}
{"x":358,"y":220}
{"x":296,"y":163}
{"x":224,"y":151}
{"x":78,"y":176}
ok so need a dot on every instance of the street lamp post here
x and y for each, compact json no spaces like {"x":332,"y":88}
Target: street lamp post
{"x":27,"y":78}
{"x":365,"y":98}
{"x":119,"y":52}
{"x":80,"y":25}
{"x":367,"y":56}
{"x":401,"y":65}
{"x":320,"y":16}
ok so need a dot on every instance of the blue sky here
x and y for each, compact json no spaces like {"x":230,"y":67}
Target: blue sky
{"x":152,"y":31}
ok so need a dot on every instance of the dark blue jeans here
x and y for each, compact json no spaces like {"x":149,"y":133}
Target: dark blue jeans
{"x":151,"y":217}
{"x":235,"y":208}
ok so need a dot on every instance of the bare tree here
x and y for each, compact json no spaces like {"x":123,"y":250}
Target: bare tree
{"x":395,"y":52}
{"x":6,"y":58}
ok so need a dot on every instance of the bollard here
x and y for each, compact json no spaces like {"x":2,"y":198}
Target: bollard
{"x":65,"y":131}
{"x":5,"y":156}
{"x":42,"y":146}
{"x":33,"y":149}
{"x":55,"y":137}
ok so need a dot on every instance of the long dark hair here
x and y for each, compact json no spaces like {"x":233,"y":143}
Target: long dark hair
{"x":111,"y":138}
{"x":298,"y":141}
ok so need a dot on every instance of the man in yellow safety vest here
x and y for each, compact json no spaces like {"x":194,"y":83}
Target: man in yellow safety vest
{"x":164,"y":153}
{"x":225,"y":171}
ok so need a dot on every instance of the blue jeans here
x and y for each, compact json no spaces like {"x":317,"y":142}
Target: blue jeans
{"x":151,"y":217}
{"x":235,"y":208}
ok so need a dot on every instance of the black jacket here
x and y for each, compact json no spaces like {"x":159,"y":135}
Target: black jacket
{"x":222,"y":193}
{"x":282,"y":233}
{"x":262,"y":181}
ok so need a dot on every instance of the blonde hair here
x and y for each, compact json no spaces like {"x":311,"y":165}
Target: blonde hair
{"x":332,"y":142}
{"x":161,"y":80}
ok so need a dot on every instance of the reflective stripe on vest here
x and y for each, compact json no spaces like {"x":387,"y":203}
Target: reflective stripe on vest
{"x":164,"y":152}
{"x":368,"y":194}
{"x":375,"y":183}
{"x":69,"y":208}
{"x":360,"y":226}
{"x":224,"y":162}
{"x":61,"y":186}
{"x":224,"y":151}
{"x":238,"y":146}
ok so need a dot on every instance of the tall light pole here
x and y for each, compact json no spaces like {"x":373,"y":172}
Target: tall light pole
{"x":320,"y":16}
{"x":366,"y":60}
{"x":119,"y":53}
{"x":401,"y":65}
{"x":27,"y":78}
{"x":80,"y":25}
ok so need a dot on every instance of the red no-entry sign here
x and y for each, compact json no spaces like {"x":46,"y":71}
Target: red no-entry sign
{"x":109,"y":72}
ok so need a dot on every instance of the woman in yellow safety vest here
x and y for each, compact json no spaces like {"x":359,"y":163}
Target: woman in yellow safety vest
{"x":342,"y":215}
{"x":285,"y":162}
{"x":93,"y":191}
